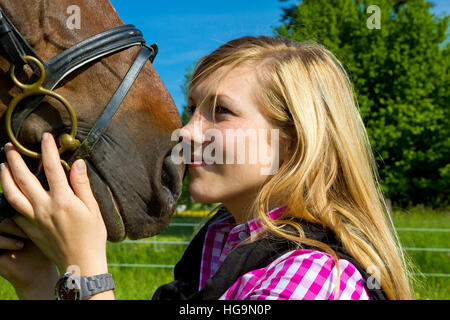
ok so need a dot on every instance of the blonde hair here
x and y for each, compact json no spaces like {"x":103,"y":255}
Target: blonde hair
{"x":331,"y":176}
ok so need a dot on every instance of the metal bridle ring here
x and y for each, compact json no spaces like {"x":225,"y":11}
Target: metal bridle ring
{"x":67,"y":141}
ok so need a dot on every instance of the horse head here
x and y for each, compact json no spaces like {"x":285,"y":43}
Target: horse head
{"x":131,"y":173}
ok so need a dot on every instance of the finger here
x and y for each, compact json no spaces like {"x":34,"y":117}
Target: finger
{"x":24,"y":179}
{"x":81,"y":186}
{"x":13,"y":194}
{"x":54,"y":171}
{"x":10,"y":243}
{"x":10,"y":227}
{"x":25,"y":224}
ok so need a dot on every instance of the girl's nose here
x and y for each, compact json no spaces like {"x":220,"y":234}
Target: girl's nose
{"x":194,"y":130}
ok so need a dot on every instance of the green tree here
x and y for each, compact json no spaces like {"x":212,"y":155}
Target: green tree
{"x":185,"y":114}
{"x":401,"y":77}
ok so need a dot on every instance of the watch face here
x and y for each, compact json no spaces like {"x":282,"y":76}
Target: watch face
{"x":67,"y":289}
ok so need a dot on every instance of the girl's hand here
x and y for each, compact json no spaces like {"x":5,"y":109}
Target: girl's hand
{"x":31,"y":273}
{"x":65,"y":224}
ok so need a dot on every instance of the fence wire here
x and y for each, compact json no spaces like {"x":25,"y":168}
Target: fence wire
{"x":185,"y":243}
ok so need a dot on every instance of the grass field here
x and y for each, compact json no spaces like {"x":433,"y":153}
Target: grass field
{"x":141,"y":282}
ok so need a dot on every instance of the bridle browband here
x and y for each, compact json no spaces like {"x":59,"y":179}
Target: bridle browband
{"x":47,"y":75}
{"x":90,"y":49}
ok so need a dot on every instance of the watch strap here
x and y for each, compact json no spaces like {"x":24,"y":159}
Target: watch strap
{"x":95,"y":284}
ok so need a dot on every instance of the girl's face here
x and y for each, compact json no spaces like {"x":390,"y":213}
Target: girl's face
{"x":225,"y":169}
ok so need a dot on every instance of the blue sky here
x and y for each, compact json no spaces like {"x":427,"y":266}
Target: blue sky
{"x":187,"y":30}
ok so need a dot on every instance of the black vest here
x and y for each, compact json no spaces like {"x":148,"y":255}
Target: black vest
{"x":244,"y":258}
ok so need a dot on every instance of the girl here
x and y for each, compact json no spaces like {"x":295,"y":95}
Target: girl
{"x":316,"y":227}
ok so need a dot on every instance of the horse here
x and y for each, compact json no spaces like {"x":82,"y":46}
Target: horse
{"x":130,"y":169}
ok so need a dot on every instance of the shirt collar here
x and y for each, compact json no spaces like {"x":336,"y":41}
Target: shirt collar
{"x":250,"y":228}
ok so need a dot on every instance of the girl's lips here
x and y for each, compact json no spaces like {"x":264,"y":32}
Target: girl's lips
{"x":197,"y":164}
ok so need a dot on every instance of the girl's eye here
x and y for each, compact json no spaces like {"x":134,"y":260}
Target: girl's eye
{"x":191,"y":109}
{"x":222,"y":110}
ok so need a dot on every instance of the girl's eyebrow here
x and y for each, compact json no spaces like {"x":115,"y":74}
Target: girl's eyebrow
{"x":223,"y":96}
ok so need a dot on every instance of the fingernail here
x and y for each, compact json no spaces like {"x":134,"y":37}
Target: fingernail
{"x":19,"y":244}
{"x":45,"y":136}
{"x":8,"y":146}
{"x":79,"y":166}
{"x":2,"y":166}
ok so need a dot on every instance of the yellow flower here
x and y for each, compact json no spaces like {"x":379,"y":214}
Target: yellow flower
{"x":191,"y":214}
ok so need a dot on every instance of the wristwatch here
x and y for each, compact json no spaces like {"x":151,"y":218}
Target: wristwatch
{"x":70,"y":287}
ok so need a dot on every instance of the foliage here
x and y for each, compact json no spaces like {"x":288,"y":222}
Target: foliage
{"x":401,"y":78}
{"x":185,"y":114}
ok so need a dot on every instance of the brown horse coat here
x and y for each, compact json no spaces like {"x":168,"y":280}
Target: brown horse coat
{"x":130,"y":168}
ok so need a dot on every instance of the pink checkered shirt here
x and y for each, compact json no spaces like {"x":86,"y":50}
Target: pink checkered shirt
{"x":298,"y":274}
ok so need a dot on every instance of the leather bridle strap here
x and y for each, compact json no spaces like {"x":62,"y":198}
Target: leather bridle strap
{"x":90,"y":49}
{"x":12,"y":44}
{"x":73,"y":58}
{"x":113,"y":105}
{"x":14,"y":48}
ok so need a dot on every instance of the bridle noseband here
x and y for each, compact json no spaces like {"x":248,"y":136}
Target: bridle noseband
{"x":47,"y":75}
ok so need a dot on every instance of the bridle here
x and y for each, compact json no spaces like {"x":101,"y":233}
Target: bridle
{"x":47,"y":75}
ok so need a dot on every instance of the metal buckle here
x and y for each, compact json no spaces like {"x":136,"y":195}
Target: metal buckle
{"x":153,"y":48}
{"x":67,"y":141}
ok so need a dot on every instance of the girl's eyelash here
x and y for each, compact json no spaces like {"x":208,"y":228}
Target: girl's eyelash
{"x":222,"y":110}
{"x":218,"y":110}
